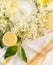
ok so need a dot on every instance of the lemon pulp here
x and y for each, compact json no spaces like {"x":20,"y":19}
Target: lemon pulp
{"x":9,"y":39}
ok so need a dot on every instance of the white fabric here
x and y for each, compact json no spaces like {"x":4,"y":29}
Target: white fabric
{"x":31,"y":47}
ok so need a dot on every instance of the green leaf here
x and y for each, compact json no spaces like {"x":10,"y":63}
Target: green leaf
{"x":11,"y":51}
{"x":1,"y":36}
{"x":23,"y":55}
{"x":1,"y":44}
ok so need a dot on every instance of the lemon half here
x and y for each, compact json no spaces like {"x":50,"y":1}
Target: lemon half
{"x":10,"y":39}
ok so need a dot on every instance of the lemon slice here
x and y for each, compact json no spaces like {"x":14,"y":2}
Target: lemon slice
{"x":10,"y":39}
{"x":49,"y":24}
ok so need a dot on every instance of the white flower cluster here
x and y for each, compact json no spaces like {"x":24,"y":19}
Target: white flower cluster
{"x":2,"y":21}
{"x":32,"y":27}
{"x":5,"y":16}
